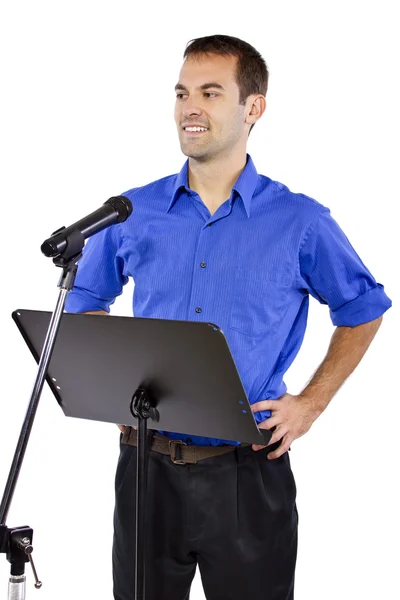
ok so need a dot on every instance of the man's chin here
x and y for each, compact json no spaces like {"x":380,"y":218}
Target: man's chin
{"x":198,"y":153}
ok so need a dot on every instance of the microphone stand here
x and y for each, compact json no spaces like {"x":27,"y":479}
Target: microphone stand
{"x":16,"y":542}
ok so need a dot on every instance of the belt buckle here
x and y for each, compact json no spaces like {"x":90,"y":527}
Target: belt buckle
{"x":176,"y":461}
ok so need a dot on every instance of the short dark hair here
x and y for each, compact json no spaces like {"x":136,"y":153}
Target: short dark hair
{"x":252,"y":71}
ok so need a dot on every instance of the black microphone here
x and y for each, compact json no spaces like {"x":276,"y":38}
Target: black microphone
{"x":116,"y":210}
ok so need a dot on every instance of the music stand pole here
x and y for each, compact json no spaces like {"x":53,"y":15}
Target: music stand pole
{"x":16,"y":542}
{"x":142,"y":409}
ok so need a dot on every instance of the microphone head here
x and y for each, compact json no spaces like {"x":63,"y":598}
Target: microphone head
{"x":122,"y":205}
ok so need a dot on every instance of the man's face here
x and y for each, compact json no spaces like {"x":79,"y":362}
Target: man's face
{"x":207,"y":96}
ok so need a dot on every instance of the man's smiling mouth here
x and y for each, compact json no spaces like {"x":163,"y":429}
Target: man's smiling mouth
{"x":193,"y":129}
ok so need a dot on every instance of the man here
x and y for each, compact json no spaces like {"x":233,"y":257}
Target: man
{"x":220,"y":243}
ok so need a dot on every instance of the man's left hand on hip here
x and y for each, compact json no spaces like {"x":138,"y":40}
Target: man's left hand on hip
{"x":292,"y":416}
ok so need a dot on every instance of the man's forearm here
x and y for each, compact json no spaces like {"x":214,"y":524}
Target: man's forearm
{"x":347,"y":347}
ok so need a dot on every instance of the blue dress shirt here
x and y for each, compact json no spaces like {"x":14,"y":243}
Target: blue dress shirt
{"x":250,"y":268}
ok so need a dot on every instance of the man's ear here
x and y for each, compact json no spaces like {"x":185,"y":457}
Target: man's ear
{"x":256,"y":108}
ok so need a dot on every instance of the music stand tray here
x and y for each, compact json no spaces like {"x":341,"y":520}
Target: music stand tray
{"x":186,"y":367}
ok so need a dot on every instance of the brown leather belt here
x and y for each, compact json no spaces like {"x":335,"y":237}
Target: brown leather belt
{"x":180,"y":452}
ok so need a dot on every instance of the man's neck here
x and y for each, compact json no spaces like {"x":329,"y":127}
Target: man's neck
{"x":213,"y":180}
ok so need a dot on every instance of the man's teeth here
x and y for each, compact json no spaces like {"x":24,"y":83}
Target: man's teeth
{"x":195,"y":128}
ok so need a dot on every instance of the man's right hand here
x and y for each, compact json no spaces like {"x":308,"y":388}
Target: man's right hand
{"x":123,"y":427}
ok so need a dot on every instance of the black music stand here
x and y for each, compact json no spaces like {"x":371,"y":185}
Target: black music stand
{"x":177,"y":375}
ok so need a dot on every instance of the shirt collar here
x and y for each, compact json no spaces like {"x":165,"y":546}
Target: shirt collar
{"x":245,"y":185}
{"x":181,"y":182}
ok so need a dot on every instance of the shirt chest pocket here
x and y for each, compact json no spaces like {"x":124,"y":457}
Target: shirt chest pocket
{"x":258,"y":301}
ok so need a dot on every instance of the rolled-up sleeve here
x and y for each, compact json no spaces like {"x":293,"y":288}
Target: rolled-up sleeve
{"x":333,"y":273}
{"x":100,"y":277}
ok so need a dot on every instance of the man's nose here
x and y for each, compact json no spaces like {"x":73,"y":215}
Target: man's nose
{"x":191,"y":108}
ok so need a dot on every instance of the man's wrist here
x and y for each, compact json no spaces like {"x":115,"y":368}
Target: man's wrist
{"x":316,"y":400}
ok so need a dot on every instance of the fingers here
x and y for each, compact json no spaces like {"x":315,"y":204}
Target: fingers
{"x":256,"y":448}
{"x":277,"y":435}
{"x":284,"y":447}
{"x":263,"y":405}
{"x":123,"y":427}
{"x":270,"y":423}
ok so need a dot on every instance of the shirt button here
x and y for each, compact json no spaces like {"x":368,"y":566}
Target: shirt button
{"x":203,"y":264}
{"x":198,"y":310}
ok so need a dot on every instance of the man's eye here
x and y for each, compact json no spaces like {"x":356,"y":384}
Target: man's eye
{"x":210,"y":94}
{"x":180,"y":96}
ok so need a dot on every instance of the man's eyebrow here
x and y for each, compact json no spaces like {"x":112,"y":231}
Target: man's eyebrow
{"x":213,"y":84}
{"x":204,"y":86}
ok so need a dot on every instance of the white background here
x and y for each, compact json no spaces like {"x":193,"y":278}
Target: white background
{"x":86,"y":113}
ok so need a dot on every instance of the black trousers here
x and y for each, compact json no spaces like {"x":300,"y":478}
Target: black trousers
{"x":233,"y":515}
